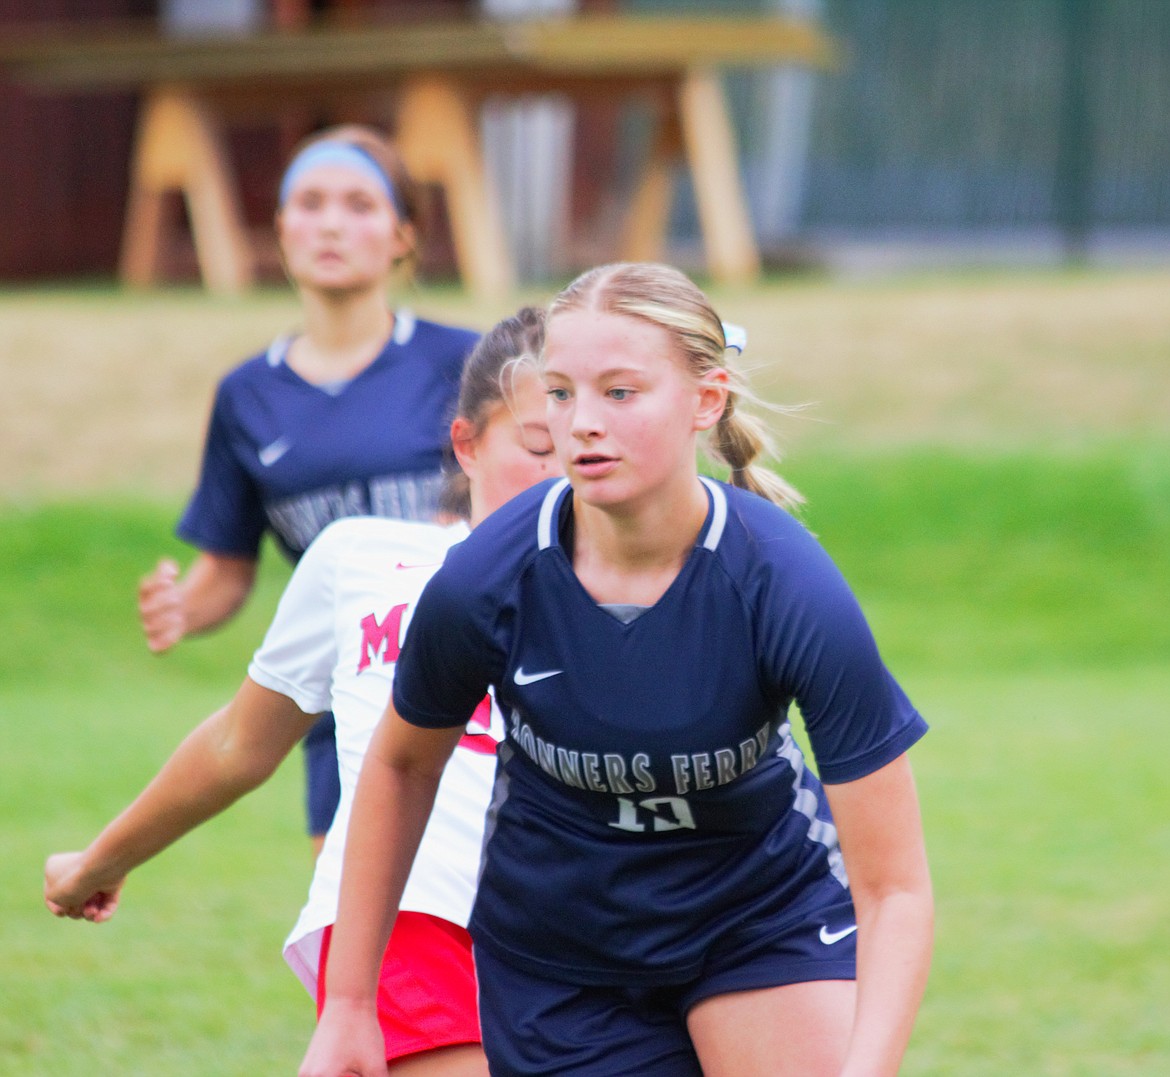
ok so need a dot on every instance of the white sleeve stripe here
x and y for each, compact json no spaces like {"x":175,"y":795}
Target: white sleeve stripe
{"x":718,"y":515}
{"x":544,"y":534}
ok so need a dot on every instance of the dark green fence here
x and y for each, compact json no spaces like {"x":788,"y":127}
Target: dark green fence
{"x":977,"y":113}
{"x":963,"y":115}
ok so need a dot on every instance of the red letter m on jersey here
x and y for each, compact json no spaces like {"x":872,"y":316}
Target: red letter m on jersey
{"x":381,"y":637}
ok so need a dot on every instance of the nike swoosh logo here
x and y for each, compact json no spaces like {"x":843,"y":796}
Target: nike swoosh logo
{"x":427,"y":564}
{"x":521,"y":677}
{"x":269,"y":454}
{"x":829,"y":937}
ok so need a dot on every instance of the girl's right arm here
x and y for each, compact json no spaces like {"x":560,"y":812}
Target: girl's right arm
{"x":214,"y":588}
{"x":392,"y":804}
{"x":227,"y":755}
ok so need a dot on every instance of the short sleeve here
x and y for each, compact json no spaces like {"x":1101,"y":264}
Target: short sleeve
{"x":225,"y":514}
{"x":299,"y":652}
{"x":857,"y":717}
{"x":445,"y":666}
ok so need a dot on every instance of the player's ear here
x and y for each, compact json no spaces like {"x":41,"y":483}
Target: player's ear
{"x":405,"y":242}
{"x":713,"y":389}
{"x":464,"y":440}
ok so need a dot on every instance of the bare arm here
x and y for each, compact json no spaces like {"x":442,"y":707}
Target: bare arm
{"x":392,"y":804}
{"x":228,"y":754}
{"x":214,"y":588}
{"x":880,"y":828}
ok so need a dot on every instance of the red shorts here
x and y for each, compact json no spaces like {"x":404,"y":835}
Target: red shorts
{"x":427,"y":993}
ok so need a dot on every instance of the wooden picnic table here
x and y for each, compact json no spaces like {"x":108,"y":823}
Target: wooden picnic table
{"x":436,"y":74}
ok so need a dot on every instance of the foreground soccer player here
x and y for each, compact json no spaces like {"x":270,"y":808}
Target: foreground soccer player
{"x":333,"y":646}
{"x":664,"y":887}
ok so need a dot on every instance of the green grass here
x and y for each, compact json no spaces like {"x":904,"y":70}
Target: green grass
{"x":987,"y":456}
{"x":187,"y":978}
{"x":1039,"y":558}
{"x":1046,"y":811}
{"x":1019,"y":597}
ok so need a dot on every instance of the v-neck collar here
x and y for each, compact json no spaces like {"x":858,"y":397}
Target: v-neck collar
{"x":401,"y":334}
{"x":555,"y":518}
{"x":558,"y":501}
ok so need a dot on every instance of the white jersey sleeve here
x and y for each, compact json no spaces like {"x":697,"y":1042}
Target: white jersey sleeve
{"x":299,"y":651}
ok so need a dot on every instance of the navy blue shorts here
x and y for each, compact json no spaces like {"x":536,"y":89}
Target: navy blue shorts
{"x":533,"y":1025}
{"x":322,"y":784}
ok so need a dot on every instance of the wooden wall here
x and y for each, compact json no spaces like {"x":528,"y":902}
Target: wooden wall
{"x":62,"y":160}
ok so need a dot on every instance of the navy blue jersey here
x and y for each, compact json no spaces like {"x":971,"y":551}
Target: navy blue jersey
{"x":650,"y":797}
{"x":288,"y":456}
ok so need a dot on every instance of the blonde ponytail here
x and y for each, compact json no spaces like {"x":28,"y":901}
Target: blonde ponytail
{"x":738,"y":441}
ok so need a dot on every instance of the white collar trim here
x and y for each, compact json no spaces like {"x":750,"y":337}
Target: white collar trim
{"x":544,"y":525}
{"x":278,"y":349}
{"x":548,"y":512}
{"x":405,"y":324}
{"x":718,"y":513}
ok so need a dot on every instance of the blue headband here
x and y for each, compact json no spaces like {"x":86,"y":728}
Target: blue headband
{"x":337,"y":153}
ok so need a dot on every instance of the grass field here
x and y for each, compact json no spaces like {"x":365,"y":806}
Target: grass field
{"x":988,"y":459}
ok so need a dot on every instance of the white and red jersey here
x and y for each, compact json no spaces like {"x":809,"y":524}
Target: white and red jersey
{"x":333,"y":645}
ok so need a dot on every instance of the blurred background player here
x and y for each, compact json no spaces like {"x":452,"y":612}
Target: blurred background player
{"x":347,"y":417}
{"x":333,"y":646}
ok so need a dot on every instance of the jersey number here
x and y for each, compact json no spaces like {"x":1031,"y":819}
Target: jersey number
{"x":667,"y":813}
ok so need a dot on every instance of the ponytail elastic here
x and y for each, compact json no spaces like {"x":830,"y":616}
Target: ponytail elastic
{"x":734,"y":336}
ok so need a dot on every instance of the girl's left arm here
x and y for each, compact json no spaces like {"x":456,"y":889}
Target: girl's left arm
{"x":228,"y":754}
{"x":880,"y":829}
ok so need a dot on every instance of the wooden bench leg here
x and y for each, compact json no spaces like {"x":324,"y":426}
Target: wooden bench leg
{"x":732,"y":255}
{"x":440,"y":144}
{"x":179,"y":146}
{"x":644,"y":232}
{"x":142,"y":236}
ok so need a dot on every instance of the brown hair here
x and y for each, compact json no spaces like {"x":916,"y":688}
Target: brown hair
{"x":487,"y":381}
{"x":663,"y":296}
